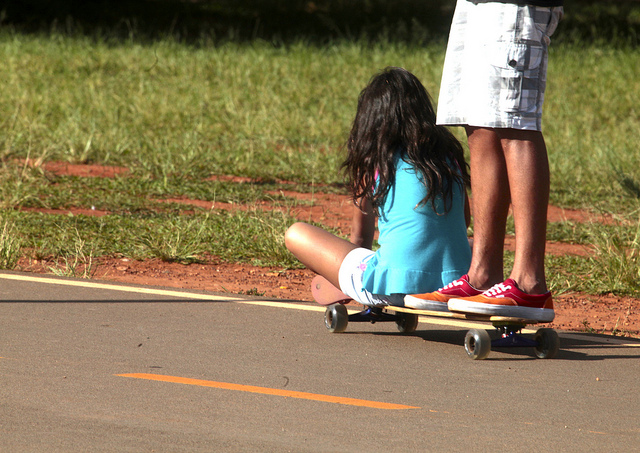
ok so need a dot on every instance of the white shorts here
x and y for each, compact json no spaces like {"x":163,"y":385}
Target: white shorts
{"x":350,"y":277}
{"x":495,"y":67}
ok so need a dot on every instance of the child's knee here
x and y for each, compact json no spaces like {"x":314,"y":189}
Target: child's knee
{"x":293,"y":236}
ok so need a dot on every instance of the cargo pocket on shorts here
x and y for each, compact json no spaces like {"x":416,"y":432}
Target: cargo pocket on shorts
{"x":513,"y":63}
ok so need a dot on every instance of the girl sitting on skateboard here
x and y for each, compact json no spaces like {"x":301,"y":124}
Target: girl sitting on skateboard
{"x":408,"y":174}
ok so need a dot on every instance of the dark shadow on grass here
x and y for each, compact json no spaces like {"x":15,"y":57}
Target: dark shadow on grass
{"x":614,"y":22}
{"x":202,"y":21}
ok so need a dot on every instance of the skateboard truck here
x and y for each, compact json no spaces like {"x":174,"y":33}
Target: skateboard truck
{"x":372,"y":315}
{"x":336,"y":318}
{"x":478,"y":343}
{"x":510,"y":337}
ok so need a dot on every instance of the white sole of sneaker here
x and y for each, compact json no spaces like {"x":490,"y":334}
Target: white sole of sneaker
{"x":478,"y":308}
{"x":421,"y":304}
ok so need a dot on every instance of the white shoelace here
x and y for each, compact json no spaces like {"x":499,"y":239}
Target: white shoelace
{"x":458,"y":282}
{"x":497,"y":290}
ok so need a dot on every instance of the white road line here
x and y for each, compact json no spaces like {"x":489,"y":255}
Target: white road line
{"x":114,"y":287}
{"x":265,"y":303}
{"x":187,"y":295}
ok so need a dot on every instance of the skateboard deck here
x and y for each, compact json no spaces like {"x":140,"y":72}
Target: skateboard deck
{"x":464,"y":316}
{"x":477,"y":342}
{"x":326,"y":293}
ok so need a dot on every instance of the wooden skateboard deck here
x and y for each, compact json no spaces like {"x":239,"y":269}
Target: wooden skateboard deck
{"x":464,"y":316}
{"x":325,"y":293}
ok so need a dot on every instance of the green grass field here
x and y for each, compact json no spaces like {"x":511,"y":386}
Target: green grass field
{"x":175,"y":112}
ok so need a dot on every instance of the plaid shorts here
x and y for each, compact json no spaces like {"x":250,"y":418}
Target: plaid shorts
{"x":495,"y":67}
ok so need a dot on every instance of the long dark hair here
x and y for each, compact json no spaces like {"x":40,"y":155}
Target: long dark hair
{"x":395,"y":115}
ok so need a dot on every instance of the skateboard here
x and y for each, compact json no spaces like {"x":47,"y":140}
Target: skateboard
{"x":477,"y":343}
{"x":325,"y":293}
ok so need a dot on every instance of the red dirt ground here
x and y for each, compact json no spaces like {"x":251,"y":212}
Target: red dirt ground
{"x":574,"y":311}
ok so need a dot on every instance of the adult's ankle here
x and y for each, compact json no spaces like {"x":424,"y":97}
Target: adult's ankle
{"x":531,"y":286}
{"x":483,"y":281}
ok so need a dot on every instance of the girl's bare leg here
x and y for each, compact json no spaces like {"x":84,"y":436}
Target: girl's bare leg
{"x":317,"y":249}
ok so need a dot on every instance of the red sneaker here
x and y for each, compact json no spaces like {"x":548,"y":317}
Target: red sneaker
{"x":505,"y":299}
{"x":437,"y":300}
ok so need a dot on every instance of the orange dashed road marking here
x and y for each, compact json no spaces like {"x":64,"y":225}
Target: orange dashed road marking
{"x":269,"y":391}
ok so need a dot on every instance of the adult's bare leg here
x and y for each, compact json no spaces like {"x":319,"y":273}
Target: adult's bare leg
{"x":529,"y":181}
{"x":317,"y":249}
{"x":491,"y":198}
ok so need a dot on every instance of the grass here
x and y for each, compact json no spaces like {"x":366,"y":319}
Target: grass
{"x":616,"y":263}
{"x":10,"y":246}
{"x":246,"y":236}
{"x":166,"y":110}
{"x":176,"y":111}
{"x":76,"y":262}
{"x":591,"y":127}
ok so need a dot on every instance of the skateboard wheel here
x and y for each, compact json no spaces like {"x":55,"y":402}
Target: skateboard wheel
{"x":336,"y":318}
{"x":477,"y":343}
{"x":548,"y":343}
{"x":406,"y":322}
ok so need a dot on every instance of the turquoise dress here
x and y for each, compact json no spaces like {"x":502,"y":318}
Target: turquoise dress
{"x":420,"y":250}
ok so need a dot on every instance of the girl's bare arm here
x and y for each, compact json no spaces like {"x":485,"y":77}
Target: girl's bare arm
{"x":467,"y":210}
{"x":363,"y":225}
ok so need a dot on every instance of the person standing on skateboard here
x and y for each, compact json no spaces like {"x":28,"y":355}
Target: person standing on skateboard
{"x":493,"y":84}
{"x":410,"y":175}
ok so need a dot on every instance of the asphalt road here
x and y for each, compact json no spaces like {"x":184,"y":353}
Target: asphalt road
{"x":90,"y":366}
